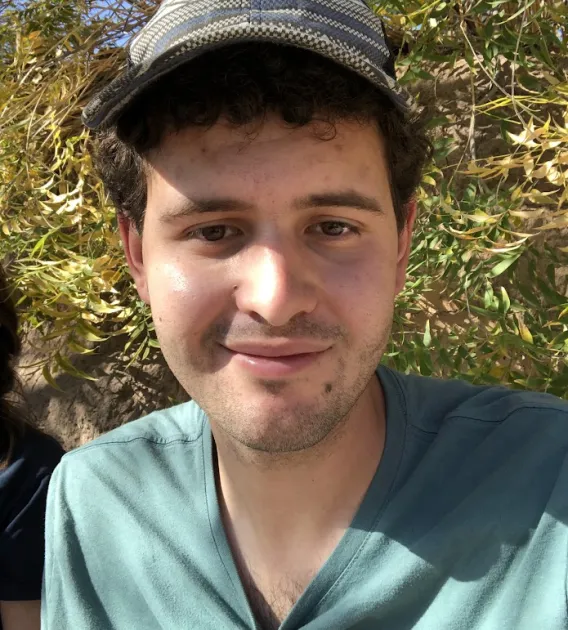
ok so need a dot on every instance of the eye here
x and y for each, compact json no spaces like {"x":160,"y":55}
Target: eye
{"x":334,"y":228}
{"x":213,"y":233}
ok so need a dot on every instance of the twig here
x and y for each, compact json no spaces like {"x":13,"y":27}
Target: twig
{"x":514,"y":65}
{"x":493,"y":82}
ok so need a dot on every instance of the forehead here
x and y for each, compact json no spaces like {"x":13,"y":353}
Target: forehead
{"x":272,"y":155}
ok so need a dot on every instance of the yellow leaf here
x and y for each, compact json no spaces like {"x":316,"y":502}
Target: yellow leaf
{"x":555,"y":177}
{"x":516,"y":193}
{"x":101,"y":262}
{"x":563,"y":197}
{"x":543,"y":170}
{"x":429,"y":180}
{"x":550,"y":78}
{"x":528,"y":164}
{"x":527,"y":214}
{"x":90,"y":317}
{"x":472,"y":169}
{"x":535,"y":196}
{"x":103,"y":307}
{"x":110,"y":278}
{"x":525,"y":333}
{"x":561,"y":222}
{"x":481,"y":217}
{"x":550,"y":144}
{"x":497,"y":371}
{"x":525,"y":138}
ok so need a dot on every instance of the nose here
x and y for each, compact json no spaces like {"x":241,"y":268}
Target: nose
{"x":275,"y":285}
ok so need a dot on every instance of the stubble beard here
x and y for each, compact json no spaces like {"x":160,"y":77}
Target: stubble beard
{"x":300,"y":427}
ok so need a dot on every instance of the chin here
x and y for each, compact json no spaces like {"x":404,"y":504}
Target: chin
{"x":279,"y":438}
{"x":277,"y":425}
{"x":274,"y":407}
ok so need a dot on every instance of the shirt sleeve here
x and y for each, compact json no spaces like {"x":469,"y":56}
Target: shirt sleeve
{"x":23,"y":491}
{"x":68,"y":598}
{"x":57,"y":524}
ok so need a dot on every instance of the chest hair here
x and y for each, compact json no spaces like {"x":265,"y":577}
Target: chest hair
{"x":271,"y":603}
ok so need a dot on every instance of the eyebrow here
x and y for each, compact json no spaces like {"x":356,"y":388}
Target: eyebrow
{"x":190,"y":207}
{"x":340,"y":199}
{"x":336,"y":199}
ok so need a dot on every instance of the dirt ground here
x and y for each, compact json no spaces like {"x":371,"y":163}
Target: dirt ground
{"x":82,"y":409}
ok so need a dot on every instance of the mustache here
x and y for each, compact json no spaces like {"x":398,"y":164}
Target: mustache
{"x":297,"y":328}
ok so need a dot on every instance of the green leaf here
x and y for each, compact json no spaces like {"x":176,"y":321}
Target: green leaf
{"x":427,"y":338}
{"x":89,"y":332}
{"x":78,"y":348}
{"x":46,"y":373}
{"x":529,"y":295}
{"x":551,"y":294}
{"x":422,"y":74}
{"x":69,"y":368}
{"x":502,"y":266}
{"x":505,"y":301}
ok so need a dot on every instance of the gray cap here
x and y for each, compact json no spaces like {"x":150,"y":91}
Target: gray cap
{"x":346,"y":31}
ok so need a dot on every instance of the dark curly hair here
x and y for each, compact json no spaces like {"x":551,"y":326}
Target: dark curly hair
{"x":12,"y":424}
{"x":243,"y":83}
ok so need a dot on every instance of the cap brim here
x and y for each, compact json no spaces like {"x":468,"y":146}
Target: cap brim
{"x":113,"y":100}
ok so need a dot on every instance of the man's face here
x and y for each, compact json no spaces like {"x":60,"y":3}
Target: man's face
{"x":271,"y":262}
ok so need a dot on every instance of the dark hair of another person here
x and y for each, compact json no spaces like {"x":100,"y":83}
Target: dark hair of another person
{"x":12,"y":423}
{"x":243,"y":84}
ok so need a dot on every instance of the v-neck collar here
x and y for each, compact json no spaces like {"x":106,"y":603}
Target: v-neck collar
{"x":365,"y":521}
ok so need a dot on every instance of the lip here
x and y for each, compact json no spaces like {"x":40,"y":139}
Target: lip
{"x":277,"y":359}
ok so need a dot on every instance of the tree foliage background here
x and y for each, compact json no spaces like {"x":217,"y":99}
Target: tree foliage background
{"x":487,"y":293}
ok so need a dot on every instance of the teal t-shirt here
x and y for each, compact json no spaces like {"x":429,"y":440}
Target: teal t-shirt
{"x":463,"y":527}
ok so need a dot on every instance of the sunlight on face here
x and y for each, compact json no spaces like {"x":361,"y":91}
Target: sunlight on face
{"x":271,"y":266}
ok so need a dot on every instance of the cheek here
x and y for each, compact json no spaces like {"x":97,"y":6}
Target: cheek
{"x":364,"y":295}
{"x":183,"y":300}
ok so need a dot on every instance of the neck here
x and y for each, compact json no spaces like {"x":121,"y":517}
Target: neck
{"x":309,"y":495}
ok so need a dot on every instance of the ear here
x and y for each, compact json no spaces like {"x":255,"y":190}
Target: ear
{"x":132,"y":241}
{"x":404,"y":244}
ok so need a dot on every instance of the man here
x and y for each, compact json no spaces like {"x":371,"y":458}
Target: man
{"x":263,"y":162}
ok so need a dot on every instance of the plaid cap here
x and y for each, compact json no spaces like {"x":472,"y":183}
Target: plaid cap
{"x":346,"y":31}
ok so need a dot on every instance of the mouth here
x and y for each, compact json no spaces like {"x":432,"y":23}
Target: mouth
{"x":276,"y":360}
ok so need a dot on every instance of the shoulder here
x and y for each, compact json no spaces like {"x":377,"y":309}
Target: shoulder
{"x":23,"y":491}
{"x":429,"y":403}
{"x":511,"y":446}
{"x":35,"y":456}
{"x":125,"y":451}
{"x":180,"y":423}
{"x":128,"y":472}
